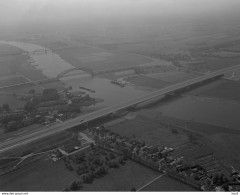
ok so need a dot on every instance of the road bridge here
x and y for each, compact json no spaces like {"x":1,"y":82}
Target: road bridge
{"x":65,"y":74}
{"x":33,"y":136}
{"x":91,"y":72}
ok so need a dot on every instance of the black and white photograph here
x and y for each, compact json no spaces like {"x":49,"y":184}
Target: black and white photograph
{"x":119,"y":96}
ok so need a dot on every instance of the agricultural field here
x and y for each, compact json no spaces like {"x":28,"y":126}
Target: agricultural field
{"x":145,"y":127}
{"x":146,"y":81}
{"x":40,"y":176}
{"x":174,"y":76}
{"x":96,"y":59}
{"x":15,"y":68}
{"x":213,"y":63}
{"x":12,"y":61}
{"x":44,"y":175}
{"x":11,"y":101}
{"x":11,"y":80}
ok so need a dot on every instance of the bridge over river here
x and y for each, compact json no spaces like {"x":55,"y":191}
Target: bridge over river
{"x":74,"y":71}
{"x":33,"y":136}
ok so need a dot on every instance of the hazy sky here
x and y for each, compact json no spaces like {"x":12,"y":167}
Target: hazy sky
{"x":17,"y":11}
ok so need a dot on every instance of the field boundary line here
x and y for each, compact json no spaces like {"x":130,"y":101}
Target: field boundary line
{"x":150,"y":182}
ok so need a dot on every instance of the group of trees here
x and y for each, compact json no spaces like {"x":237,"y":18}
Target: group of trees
{"x":12,"y":122}
{"x":75,"y":186}
{"x":219,"y":179}
{"x":50,"y":98}
{"x":94,"y":164}
{"x":4,"y":108}
{"x":52,"y":103}
{"x":50,"y":94}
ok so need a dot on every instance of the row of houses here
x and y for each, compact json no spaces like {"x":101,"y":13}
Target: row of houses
{"x":159,"y":157}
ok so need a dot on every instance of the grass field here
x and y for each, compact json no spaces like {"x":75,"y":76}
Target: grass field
{"x":147,"y":82}
{"x":146,"y":127}
{"x":173,"y":76}
{"x":214,"y":63}
{"x":11,"y":80}
{"x":11,"y":101}
{"x":44,"y":176}
{"x":99,"y":59}
{"x":39,"y":176}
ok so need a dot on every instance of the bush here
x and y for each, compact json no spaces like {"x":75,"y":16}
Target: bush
{"x":121,"y":161}
{"x":113,"y":165}
{"x":111,"y":156}
{"x":79,"y":159}
{"x":174,"y":131}
{"x":92,"y":145}
{"x":97,"y":161}
{"x":82,"y":170}
{"x":76,"y":185}
{"x":101,"y":172}
{"x":69,"y":166}
{"x":133,"y":189}
{"x":87,"y":178}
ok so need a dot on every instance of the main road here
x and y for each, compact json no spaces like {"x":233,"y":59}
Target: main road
{"x":33,"y":136}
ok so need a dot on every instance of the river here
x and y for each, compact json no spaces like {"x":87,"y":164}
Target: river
{"x":202,"y":110}
{"x":52,"y":64}
{"x":206,"y":110}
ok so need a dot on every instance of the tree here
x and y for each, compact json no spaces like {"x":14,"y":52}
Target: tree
{"x":121,"y":161}
{"x":32,"y":91}
{"x":87,"y":178}
{"x":92,"y":145}
{"x":76,"y":186}
{"x":30,"y":105}
{"x":133,"y":189}
{"x":79,"y":159}
{"x":111,"y":156}
{"x":5,"y":121}
{"x":5,"y":107}
{"x":12,"y":126}
{"x":215,"y":178}
{"x":66,"y":189}
{"x":174,"y":131}
{"x":49,"y":94}
{"x":113,"y":165}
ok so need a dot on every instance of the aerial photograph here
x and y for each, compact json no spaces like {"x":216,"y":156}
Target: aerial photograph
{"x":119,"y":96}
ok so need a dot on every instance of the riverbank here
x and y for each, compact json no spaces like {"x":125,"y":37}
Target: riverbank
{"x":223,"y":89}
{"x":91,"y":57}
